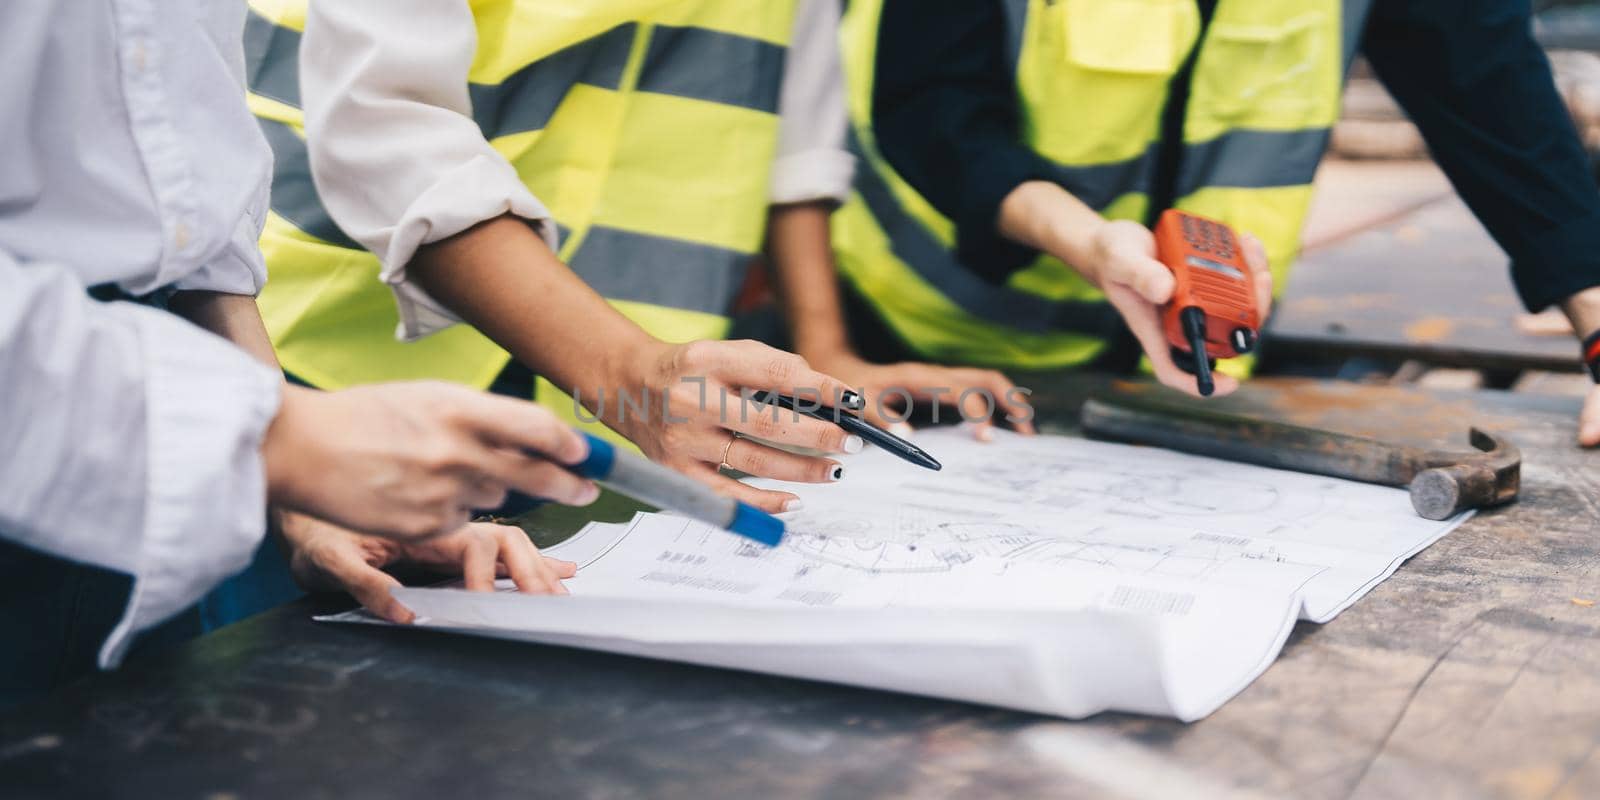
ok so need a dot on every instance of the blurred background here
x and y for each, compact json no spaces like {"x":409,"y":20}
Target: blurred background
{"x":1398,"y":283}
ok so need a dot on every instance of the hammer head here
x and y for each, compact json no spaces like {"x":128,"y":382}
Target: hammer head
{"x":1449,"y":483}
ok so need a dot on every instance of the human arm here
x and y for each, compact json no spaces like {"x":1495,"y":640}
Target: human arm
{"x":811,"y":176}
{"x":1119,"y":256}
{"x":324,"y":556}
{"x":406,"y":172}
{"x":1583,"y":308}
{"x":946,"y":114}
{"x":808,"y":288}
{"x":1479,"y":89}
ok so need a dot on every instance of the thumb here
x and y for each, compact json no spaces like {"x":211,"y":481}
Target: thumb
{"x":1147,"y":277}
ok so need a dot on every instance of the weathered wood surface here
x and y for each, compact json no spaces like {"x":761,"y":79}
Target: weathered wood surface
{"x":1470,"y":673}
{"x":1429,"y":285}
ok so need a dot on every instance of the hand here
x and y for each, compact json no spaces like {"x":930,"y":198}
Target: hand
{"x":987,"y":391}
{"x":325,"y":557}
{"x":695,"y":408}
{"x":1583,"y":309}
{"x":1589,"y":419}
{"x":409,"y":461}
{"x":1123,"y":264}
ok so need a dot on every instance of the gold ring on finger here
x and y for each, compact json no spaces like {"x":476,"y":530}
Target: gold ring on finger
{"x":725,"y":449}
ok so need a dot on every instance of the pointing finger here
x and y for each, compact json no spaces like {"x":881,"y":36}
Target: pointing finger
{"x":752,"y":365}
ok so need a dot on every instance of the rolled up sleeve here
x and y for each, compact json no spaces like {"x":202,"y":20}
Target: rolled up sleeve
{"x":132,"y":441}
{"x":395,"y":154}
{"x":812,"y":163}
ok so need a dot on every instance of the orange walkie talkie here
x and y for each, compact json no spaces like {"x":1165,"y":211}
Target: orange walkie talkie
{"x":1213,"y":311}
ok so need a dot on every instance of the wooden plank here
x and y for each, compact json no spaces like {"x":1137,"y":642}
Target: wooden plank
{"x":1430,"y":285}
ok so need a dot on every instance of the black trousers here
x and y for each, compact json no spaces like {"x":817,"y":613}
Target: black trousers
{"x":55,"y":614}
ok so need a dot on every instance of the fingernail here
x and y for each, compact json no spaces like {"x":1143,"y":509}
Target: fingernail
{"x":985,"y":434}
{"x":851,"y":401}
{"x":853,"y":444}
{"x":793,"y":505}
{"x":836,"y":473}
{"x":589,"y":495}
{"x":902,"y":429}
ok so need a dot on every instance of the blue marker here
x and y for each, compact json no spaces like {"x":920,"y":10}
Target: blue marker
{"x":673,"y":491}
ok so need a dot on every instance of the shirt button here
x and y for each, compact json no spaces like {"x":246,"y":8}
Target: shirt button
{"x":139,"y":58}
{"x":180,"y":236}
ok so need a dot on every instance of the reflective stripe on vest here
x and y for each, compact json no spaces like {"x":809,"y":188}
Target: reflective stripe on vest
{"x":1263,"y":101}
{"x":592,"y":107}
{"x":937,"y":265}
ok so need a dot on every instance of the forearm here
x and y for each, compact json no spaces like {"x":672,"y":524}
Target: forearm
{"x":502,"y":278}
{"x":799,"y":250}
{"x":234,"y":317}
{"x":1046,"y":217}
{"x":1583,"y":309}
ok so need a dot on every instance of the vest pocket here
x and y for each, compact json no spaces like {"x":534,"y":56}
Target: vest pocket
{"x":1271,"y":68}
{"x":1135,"y":37}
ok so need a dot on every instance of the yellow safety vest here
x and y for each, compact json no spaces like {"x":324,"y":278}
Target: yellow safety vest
{"x":647,"y":127}
{"x":1092,"y":79}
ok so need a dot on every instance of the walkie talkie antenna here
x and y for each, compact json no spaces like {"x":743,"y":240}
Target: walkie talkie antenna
{"x":1194,"y":328}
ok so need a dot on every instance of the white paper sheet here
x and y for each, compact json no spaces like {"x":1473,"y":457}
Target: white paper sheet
{"x":1049,"y":574}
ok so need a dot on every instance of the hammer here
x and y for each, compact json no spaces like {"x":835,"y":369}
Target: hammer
{"x":1441,"y":483}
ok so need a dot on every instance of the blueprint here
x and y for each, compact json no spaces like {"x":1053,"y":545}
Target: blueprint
{"x":1045,"y":573}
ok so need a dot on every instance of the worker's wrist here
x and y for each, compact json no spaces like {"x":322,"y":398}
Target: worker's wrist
{"x":287,"y":448}
{"x":816,"y":346}
{"x":1082,"y":244}
{"x":1583,"y":310}
{"x":635,"y":371}
{"x":1046,"y":217}
{"x":830,"y":360}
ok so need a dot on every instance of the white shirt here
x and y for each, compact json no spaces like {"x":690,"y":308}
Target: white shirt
{"x":399,"y":162}
{"x":130,"y":438}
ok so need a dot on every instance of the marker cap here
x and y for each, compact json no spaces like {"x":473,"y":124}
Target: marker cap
{"x":601,"y":457}
{"x":753,"y":523}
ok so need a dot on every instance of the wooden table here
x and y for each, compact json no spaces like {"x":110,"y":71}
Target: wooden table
{"x":1473,"y":672}
{"x":1428,"y":285}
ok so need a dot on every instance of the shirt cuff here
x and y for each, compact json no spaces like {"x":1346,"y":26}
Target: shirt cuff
{"x":480,"y":189}
{"x":822,"y":173}
{"x":208,"y":407}
{"x":238,"y":269}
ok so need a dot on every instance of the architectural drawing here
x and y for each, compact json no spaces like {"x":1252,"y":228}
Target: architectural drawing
{"x":1047,"y":574}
